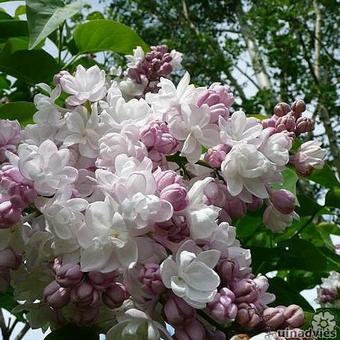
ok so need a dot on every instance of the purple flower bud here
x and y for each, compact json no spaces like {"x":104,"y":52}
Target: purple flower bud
{"x":294,"y":316}
{"x":9,"y":137}
{"x":304,"y":124}
{"x":327,"y":295}
{"x":86,"y":316}
{"x":4,"y":279}
{"x":9,"y":259}
{"x":270,"y":122}
{"x":229,"y":270}
{"x":150,"y":277}
{"x":248,"y":315}
{"x":216,"y":155}
{"x":255,"y":205}
{"x":283,"y":200}
{"x":176,"y":229}
{"x":9,"y":213}
{"x":84,"y":295}
{"x":273,"y":317}
{"x":222,"y":307}
{"x":56,"y":296}
{"x":235,"y":208}
{"x":101,"y":280}
{"x":166,"y":178}
{"x":298,"y":107}
{"x":115,"y":295}
{"x":215,"y":335}
{"x":245,"y":290}
{"x":281,"y":109}
{"x":69,"y":275}
{"x":190,"y":331}
{"x":285,"y":123}
{"x":176,"y":195}
{"x":177,"y":311}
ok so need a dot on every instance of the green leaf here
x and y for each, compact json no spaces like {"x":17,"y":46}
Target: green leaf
{"x":21,"y":10}
{"x":333,"y":197}
{"x":292,"y":254}
{"x":107,"y":35}
{"x":44,"y":17}
{"x":330,"y":228}
{"x":21,"y":111}
{"x":34,"y":66}
{"x":12,"y":28}
{"x":95,"y":16}
{"x":8,"y":302}
{"x":247,"y":225}
{"x":286,"y":295}
{"x":290,"y":179}
{"x":4,"y":82}
{"x":308,"y":206}
{"x":73,"y":332}
{"x":5,"y":16}
{"x":325,"y":177}
{"x":301,"y":279}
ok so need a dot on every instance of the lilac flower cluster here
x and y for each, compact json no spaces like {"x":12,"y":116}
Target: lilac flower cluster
{"x":121,"y":201}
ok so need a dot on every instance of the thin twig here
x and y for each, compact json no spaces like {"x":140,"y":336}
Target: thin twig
{"x":23,"y":332}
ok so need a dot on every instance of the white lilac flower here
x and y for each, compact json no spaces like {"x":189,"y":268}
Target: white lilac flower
{"x":137,"y":325}
{"x":201,"y":218}
{"x":276,"y":148}
{"x":192,"y":126}
{"x":113,"y":144}
{"x":118,"y":113}
{"x":246,"y":167}
{"x":104,"y":239}
{"x":46,"y":166}
{"x":48,"y":113}
{"x":85,"y":85}
{"x":240,"y":129}
{"x":170,"y":96}
{"x":82,"y":130}
{"x":276,"y":221}
{"x":190,"y":275}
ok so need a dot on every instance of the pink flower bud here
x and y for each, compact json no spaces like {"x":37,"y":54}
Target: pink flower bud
{"x":86,"y":316}
{"x":9,"y":137}
{"x":101,"y":280}
{"x":281,"y":109}
{"x":294,"y":316}
{"x":176,"y":229}
{"x":177,"y":311}
{"x":69,"y":275}
{"x":273,"y":317}
{"x":248,"y":315}
{"x":245,"y":290}
{"x":298,"y":107}
{"x":222,"y":307}
{"x":156,"y":136}
{"x":4,"y":279}
{"x":9,"y":214}
{"x":9,"y":259}
{"x":84,"y":295}
{"x":228,"y":270}
{"x":176,"y":195}
{"x":115,"y":295}
{"x":283,"y":200}
{"x":150,"y":277}
{"x":219,"y":98}
{"x":304,"y":124}
{"x":56,"y":296}
{"x":191,"y":331}
{"x":166,"y":178}
{"x":216,"y":155}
